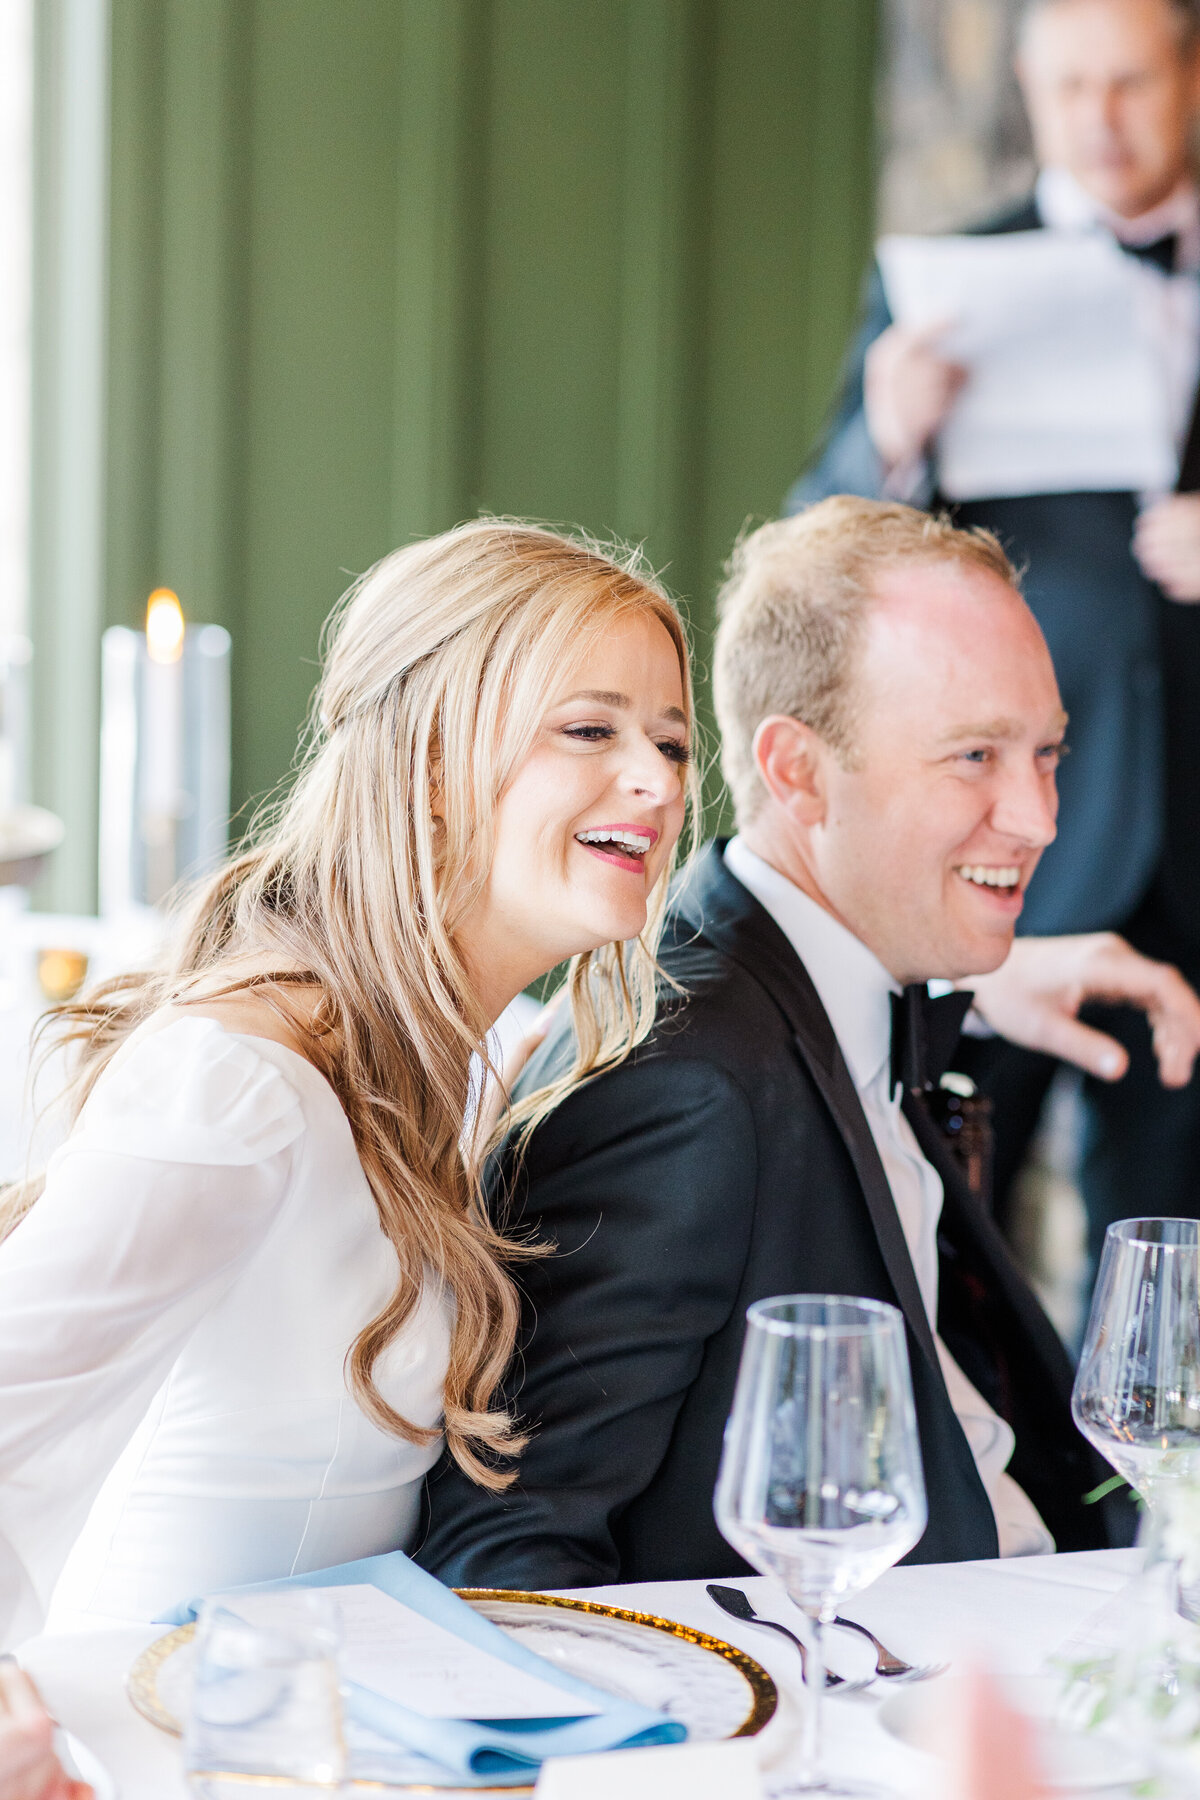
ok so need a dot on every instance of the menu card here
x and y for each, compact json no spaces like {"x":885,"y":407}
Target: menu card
{"x":395,"y":1651}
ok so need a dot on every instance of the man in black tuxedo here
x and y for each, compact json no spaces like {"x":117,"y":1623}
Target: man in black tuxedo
{"x":1112,"y":90}
{"x":891,"y":729}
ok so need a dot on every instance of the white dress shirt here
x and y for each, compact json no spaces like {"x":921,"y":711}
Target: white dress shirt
{"x":175,"y":1314}
{"x":855,"y":989}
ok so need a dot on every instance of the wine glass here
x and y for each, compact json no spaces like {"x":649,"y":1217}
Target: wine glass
{"x":266,"y":1704}
{"x":1137,"y":1389}
{"x":821,"y":1482}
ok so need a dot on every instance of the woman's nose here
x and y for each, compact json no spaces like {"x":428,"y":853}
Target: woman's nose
{"x":649,"y":772}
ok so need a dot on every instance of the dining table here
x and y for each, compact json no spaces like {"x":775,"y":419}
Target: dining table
{"x":1015,"y":1617}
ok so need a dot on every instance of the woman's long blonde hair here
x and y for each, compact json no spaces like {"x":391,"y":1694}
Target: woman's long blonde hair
{"x":438,"y":668}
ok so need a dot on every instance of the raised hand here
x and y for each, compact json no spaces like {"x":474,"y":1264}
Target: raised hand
{"x":29,"y":1769}
{"x":1166,"y":543}
{"x":1034,"y":997}
{"x":908,"y":390}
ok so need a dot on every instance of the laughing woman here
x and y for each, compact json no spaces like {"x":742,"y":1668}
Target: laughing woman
{"x":257,"y":1283}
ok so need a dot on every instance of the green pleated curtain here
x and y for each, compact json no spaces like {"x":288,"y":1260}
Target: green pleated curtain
{"x":374,"y":265}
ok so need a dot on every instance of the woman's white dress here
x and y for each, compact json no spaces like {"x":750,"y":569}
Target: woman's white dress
{"x":175,"y":1315}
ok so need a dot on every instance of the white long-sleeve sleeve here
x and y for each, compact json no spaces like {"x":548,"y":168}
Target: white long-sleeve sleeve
{"x":170,"y":1183}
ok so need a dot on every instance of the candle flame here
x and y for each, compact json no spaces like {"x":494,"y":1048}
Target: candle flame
{"x":164,"y":626}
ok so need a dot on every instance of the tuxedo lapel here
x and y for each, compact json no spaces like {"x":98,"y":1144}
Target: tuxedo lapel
{"x":1189,"y":463}
{"x":837,"y":1089}
{"x":972,"y":1229}
{"x":715,"y":903}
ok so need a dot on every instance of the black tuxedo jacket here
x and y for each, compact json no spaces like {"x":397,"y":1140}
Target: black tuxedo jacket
{"x":729,"y":1160}
{"x":1127,"y":659}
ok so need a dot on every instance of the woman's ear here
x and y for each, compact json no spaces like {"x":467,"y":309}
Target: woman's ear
{"x":437,"y":793}
{"x":790,"y":758}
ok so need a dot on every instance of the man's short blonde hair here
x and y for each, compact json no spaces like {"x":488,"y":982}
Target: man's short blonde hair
{"x":793,"y":612}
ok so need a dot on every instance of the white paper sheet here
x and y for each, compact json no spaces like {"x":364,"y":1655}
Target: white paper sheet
{"x":1065,"y":391}
{"x":721,"y":1771}
{"x":394,"y":1650}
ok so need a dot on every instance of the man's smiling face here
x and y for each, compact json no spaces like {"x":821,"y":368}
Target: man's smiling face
{"x":928,"y":842}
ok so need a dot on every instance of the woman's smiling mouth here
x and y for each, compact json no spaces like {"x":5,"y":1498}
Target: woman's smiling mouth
{"x":627,"y":846}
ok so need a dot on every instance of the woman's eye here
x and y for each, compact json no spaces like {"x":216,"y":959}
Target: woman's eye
{"x":589,"y":734}
{"x":978,"y":757}
{"x":674,"y":751}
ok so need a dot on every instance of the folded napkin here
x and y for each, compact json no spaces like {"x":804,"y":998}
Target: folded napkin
{"x":493,"y":1750}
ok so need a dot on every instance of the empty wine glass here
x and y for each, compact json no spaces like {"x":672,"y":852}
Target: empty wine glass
{"x":266,"y":1705}
{"x":1137,"y":1389}
{"x":821,"y":1482}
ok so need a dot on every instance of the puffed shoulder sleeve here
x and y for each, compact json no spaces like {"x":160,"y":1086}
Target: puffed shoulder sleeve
{"x":190,"y":1093}
{"x":174,"y":1176}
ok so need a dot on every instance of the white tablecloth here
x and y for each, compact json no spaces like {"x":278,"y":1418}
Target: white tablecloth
{"x":1016,"y":1613}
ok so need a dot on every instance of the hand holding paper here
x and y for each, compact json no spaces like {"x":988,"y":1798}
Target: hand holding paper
{"x":1064,"y":392}
{"x":909,"y":389}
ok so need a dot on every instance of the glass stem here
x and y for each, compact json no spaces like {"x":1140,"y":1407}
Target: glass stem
{"x":811,"y":1763}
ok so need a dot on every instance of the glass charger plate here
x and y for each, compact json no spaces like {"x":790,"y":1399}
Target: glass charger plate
{"x":714,"y":1689}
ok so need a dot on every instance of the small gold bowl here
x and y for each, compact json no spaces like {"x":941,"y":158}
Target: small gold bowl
{"x":61,"y":973}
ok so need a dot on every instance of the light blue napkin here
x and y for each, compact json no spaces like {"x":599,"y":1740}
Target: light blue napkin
{"x":476,"y":1751}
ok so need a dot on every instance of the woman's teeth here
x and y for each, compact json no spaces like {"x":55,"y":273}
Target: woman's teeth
{"x":632,"y":843}
{"x":989,"y":877}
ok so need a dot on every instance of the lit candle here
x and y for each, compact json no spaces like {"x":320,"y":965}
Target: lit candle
{"x":164,"y":756}
{"x":161,"y":749}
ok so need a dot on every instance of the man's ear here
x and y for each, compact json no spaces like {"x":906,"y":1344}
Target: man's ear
{"x":791,"y":762}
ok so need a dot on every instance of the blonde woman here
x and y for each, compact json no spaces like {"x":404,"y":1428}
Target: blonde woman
{"x":257,"y":1284}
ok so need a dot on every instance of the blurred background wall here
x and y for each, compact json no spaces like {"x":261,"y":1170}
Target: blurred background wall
{"x":370,"y":266}
{"x":954,"y":140}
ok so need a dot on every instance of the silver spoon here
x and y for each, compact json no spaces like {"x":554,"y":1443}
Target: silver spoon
{"x":889,"y":1666}
{"x":735,"y":1603}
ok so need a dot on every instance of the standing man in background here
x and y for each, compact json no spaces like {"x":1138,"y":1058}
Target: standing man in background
{"x":1113,"y":93}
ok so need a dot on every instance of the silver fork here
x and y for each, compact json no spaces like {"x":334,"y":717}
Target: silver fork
{"x":737,"y":1604}
{"x":889,"y":1666}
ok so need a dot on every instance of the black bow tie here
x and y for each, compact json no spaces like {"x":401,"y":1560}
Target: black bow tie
{"x":924,"y":1033}
{"x":1162,"y":252}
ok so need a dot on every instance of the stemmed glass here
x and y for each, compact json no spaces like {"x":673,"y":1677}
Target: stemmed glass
{"x":1137,"y":1389}
{"x":821,"y":1482}
{"x":266,"y":1705}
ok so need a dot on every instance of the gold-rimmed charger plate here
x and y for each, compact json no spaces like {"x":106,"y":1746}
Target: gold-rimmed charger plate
{"x":733,"y":1693}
